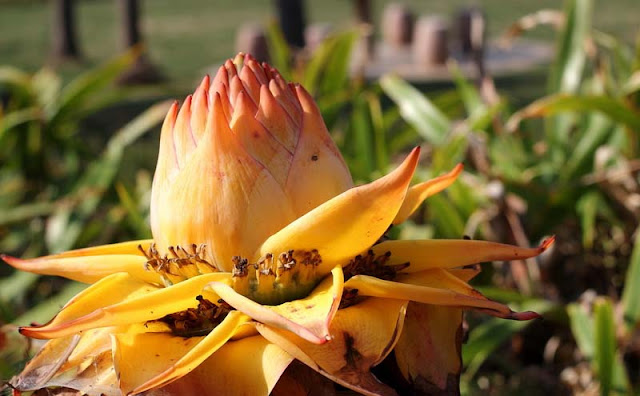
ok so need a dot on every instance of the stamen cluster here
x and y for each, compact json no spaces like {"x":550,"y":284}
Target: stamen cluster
{"x":373,"y":265}
{"x":179,"y":264}
{"x":199,"y":321}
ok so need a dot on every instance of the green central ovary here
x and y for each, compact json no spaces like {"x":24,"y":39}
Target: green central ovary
{"x":272,"y":282}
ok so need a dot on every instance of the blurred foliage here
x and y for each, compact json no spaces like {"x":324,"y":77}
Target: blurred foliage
{"x":563,"y":164}
{"x":565,"y":161}
{"x":56,"y":182}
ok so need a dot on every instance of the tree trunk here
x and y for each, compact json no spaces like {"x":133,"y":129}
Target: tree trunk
{"x":292,"y":21}
{"x":130,"y":16}
{"x":65,"y":45}
{"x":142,"y":71}
{"x":362,"y":10}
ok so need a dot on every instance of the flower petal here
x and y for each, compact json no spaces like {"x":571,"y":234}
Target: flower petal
{"x":129,"y":247}
{"x":309,"y":317}
{"x":363,"y":335}
{"x":78,"y":362}
{"x":102,"y":306}
{"x":91,"y":345}
{"x":167,"y":159}
{"x":149,"y":360}
{"x":466,"y":273}
{"x":450,"y":291}
{"x":45,"y":364}
{"x":418,"y":193}
{"x":452,"y":253}
{"x":348,"y":224}
{"x":276,"y":120}
{"x":87,"y":269}
{"x":247,"y":367}
{"x":318,"y":171}
{"x":113,"y":289}
{"x":200,"y":109}
{"x":428,"y":351}
{"x":258,"y":141}
{"x":230,"y":217}
{"x":94,"y":377}
{"x":184,"y":141}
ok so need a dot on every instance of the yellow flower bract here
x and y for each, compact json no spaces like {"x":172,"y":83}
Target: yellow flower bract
{"x":254,"y":212}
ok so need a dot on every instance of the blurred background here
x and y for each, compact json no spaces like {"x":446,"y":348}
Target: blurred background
{"x":539,"y":100}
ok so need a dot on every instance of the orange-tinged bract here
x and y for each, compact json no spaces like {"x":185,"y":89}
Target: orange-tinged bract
{"x":263,"y":253}
{"x":253,"y":151}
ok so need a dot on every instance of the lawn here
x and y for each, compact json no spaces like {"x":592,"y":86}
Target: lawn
{"x":190,"y":37}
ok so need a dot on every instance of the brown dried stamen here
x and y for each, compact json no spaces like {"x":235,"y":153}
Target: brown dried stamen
{"x":195,"y":322}
{"x":372,"y":265}
{"x":266,"y":266}
{"x":180,"y":262}
{"x":349,"y":297}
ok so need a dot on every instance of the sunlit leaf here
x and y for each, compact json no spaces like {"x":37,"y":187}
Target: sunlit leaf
{"x":631,"y":293}
{"x":604,"y":342}
{"x":560,"y":103}
{"x":417,"y":110}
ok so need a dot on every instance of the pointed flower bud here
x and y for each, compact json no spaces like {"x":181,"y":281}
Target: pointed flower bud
{"x":254,"y":153}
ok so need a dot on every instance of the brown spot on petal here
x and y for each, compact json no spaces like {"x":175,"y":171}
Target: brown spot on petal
{"x":351,"y":355}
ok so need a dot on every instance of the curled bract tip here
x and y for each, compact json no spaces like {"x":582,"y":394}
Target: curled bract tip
{"x":526,"y":315}
{"x":546,"y":244}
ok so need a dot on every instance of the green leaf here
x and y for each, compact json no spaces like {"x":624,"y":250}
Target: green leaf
{"x":631,"y":292}
{"x":328,"y":69}
{"x":560,"y":103}
{"x":336,"y":71}
{"x":582,"y":329}
{"x":46,"y":86}
{"x":46,"y":310}
{"x":26,"y":212}
{"x":485,"y":338}
{"x":632,"y":85}
{"x":363,"y":146}
{"x":597,"y":130}
{"x":604,"y":340}
{"x":566,"y":72}
{"x":450,"y":153}
{"x":445,"y":217}
{"x":78,"y":92}
{"x":379,"y":131}
{"x":15,"y":118}
{"x":587,"y":208}
{"x":136,"y":219}
{"x":570,"y":58}
{"x":417,"y":110}
{"x":16,"y":285}
{"x":469,"y":94}
{"x":16,"y":79}
{"x":66,"y":225}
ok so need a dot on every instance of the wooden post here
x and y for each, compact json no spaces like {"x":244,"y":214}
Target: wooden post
{"x":397,"y":25}
{"x":431,"y":41}
{"x":65,"y":45}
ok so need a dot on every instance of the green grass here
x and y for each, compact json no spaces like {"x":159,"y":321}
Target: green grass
{"x":188,"y":38}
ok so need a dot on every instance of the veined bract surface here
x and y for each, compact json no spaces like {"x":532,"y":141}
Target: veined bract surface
{"x":263,"y":252}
